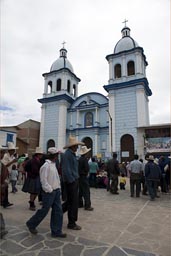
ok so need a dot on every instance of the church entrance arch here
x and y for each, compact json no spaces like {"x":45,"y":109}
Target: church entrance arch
{"x":127,"y":148}
{"x":50,"y":143}
{"x":89,"y":144}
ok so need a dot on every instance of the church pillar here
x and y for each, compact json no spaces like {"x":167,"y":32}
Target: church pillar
{"x":124,"y":67}
{"x":111,"y":72}
{"x":62,"y":125}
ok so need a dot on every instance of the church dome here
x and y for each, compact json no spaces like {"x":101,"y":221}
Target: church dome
{"x":126,"y":42}
{"x":62,"y":62}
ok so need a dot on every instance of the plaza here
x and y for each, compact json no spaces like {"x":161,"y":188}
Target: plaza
{"x":118,"y":226}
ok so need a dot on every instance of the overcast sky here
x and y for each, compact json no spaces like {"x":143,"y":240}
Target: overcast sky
{"x":32,"y":32}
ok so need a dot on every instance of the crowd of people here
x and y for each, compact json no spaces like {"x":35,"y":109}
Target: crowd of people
{"x":62,"y":181}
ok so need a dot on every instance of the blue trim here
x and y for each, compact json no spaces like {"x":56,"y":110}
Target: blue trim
{"x":91,"y":94}
{"x":113,"y":55}
{"x":88,"y":128}
{"x":87,"y":107}
{"x":57,"y":98}
{"x":59,"y":71}
{"x":141,"y":81}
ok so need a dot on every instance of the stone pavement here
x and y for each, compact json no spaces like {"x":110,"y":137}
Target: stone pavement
{"x":118,"y":226}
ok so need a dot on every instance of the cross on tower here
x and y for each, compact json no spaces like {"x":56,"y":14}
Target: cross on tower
{"x":63,"y":44}
{"x":125,"y":21}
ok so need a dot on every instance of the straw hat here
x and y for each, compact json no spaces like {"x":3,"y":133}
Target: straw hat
{"x":84,"y":150}
{"x":73,"y":142}
{"x":39,"y":151}
{"x":53,"y":151}
{"x":151,"y":157}
{"x":11,"y":146}
{"x":156,"y":161}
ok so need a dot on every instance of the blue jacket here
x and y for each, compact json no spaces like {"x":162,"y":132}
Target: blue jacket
{"x":152,"y":171}
{"x":69,"y":166}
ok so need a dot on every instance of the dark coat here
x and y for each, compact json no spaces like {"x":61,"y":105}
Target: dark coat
{"x":152,"y":171}
{"x":83,"y":166}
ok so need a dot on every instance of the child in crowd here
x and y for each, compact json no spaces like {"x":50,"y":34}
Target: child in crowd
{"x":13,"y":178}
{"x":122,"y":181}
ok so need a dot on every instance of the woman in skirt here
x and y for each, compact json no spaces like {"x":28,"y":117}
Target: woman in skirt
{"x":32,"y":183}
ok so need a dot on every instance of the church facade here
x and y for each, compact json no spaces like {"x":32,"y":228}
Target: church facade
{"x":105,"y":123}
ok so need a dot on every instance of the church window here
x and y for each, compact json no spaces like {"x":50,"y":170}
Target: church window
{"x":89,"y":119}
{"x":74,"y":90}
{"x":68,"y":86}
{"x":58,"y":85}
{"x":131,"y":68}
{"x":49,"y":86}
{"x":117,"y":71}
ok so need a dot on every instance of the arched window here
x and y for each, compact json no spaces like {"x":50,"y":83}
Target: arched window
{"x":118,"y":71}
{"x":68,"y":86}
{"x":49,"y":86}
{"x":130,"y":68}
{"x":58,"y":85}
{"x":74,"y":90}
{"x":89,"y":119}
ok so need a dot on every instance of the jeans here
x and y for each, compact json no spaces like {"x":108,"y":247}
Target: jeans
{"x":114,"y":183}
{"x":13,"y":184}
{"x":135,"y":182}
{"x":49,"y":200}
{"x":152,"y":188}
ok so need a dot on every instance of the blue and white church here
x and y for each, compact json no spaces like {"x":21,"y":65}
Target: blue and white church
{"x":109,"y":123}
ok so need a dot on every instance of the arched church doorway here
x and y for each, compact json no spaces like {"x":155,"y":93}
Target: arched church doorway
{"x":89,"y":143}
{"x":50,"y":143}
{"x":127,"y":148}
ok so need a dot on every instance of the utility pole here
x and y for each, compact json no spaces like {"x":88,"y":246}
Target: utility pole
{"x":111,"y":139}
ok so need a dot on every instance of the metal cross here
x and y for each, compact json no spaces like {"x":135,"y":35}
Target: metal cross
{"x":64,"y":44}
{"x":125,"y":21}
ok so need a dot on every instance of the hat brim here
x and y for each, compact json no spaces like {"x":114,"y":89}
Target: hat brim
{"x":74,"y":144}
{"x":12,"y":148}
{"x":83,"y":153}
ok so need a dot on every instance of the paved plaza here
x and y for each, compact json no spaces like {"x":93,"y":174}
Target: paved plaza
{"x":118,"y":226}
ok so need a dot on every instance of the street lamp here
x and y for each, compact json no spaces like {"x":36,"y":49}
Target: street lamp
{"x":111,"y":141}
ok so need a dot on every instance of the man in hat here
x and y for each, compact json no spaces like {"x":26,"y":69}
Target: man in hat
{"x":51,"y":197}
{"x":3,"y":192}
{"x":70,"y":178}
{"x":83,"y":170}
{"x":9,"y":158}
{"x":136,"y":173}
{"x":152,"y":175}
{"x":3,"y":184}
{"x":113,"y":171}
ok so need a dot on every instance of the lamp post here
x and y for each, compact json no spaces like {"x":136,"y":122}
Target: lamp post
{"x":111,"y":140}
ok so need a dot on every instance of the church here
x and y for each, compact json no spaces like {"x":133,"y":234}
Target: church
{"x":106,"y":124}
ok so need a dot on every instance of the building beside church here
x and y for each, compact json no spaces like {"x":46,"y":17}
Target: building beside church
{"x":111,"y":123}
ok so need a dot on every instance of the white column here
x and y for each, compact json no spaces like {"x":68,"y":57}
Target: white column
{"x":111,"y":71}
{"x":95,"y":144}
{"x":112,"y":113}
{"x":62,"y":126}
{"x":96,"y":116}
{"x":124,"y":67}
{"x":141,"y":108}
{"x":41,"y":136}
